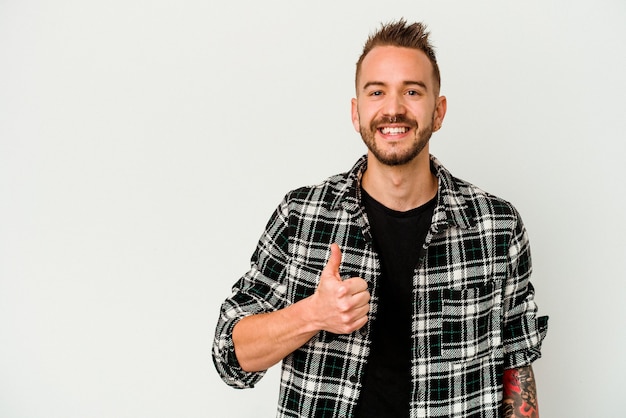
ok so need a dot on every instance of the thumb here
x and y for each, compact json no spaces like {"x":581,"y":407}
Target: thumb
{"x":332,"y":267}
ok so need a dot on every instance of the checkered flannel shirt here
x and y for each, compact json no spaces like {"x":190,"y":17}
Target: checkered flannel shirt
{"x":474,"y":313}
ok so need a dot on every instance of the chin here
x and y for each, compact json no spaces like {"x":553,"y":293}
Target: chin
{"x":394,"y":159}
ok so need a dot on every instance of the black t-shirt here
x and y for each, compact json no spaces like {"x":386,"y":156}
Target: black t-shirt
{"x":398,"y":239}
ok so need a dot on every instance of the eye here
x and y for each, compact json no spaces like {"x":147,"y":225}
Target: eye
{"x":413,"y":93}
{"x":376,"y":93}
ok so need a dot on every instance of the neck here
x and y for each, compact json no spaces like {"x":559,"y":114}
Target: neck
{"x":402,"y":187}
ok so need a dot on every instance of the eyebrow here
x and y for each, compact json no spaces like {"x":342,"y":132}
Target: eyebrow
{"x":405,"y":83}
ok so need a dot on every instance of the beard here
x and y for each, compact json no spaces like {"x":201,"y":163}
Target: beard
{"x":396,"y":155}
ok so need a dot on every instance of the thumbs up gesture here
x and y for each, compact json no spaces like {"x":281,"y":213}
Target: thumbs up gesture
{"x":341,"y":306}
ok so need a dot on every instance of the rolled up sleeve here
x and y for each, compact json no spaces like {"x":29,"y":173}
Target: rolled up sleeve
{"x":524,"y":331}
{"x":260,"y":290}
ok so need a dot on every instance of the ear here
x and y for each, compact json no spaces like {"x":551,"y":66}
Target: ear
{"x":440,"y":112}
{"x":355,"y":116}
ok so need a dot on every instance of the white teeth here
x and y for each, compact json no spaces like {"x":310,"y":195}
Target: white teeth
{"x":395,"y":130}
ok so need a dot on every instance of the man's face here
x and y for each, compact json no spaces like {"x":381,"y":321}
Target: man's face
{"x":397,"y":106}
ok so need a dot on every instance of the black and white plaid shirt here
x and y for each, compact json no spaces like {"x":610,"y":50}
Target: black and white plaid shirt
{"x":473,"y":314}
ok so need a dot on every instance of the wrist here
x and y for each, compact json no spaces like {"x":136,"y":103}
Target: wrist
{"x":306,"y":311}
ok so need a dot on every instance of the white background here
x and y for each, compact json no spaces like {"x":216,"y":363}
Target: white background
{"x":145,"y":143}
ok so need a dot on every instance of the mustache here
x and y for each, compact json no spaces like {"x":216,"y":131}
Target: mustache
{"x":386,"y":120}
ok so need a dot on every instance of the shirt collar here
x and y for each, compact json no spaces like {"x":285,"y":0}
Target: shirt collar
{"x":452,"y":209}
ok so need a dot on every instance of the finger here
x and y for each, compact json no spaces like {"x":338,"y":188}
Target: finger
{"x":356,"y":285}
{"x":360,"y":300}
{"x":332,"y":267}
{"x":359,"y":323}
{"x":362,"y":311}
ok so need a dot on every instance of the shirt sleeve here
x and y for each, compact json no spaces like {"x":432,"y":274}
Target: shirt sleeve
{"x":260,"y":290}
{"x":523,"y":330}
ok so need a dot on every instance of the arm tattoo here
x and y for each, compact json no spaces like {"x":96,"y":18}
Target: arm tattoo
{"x":520,"y":394}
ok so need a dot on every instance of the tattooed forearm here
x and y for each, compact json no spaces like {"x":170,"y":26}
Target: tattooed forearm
{"x":520,"y":394}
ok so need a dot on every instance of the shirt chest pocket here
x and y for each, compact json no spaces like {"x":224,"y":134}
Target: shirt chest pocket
{"x":470,"y":322}
{"x":301,"y":281}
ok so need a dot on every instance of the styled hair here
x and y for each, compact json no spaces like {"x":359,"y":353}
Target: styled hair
{"x":404,"y":35}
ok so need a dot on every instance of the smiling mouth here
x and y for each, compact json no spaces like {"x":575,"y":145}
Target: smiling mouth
{"x":393,"y":130}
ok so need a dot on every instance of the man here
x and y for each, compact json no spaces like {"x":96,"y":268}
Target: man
{"x":395,"y":289}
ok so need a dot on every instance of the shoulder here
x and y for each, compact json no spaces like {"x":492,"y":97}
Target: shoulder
{"x":328,"y":193}
{"x":492,"y":216}
{"x":468,"y":204}
{"x":483,"y":202}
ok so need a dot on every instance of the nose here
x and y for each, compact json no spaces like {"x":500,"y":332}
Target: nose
{"x":394,"y":105}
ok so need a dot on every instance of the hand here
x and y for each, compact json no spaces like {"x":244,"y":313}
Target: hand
{"x":340,"y":306}
{"x":337,"y":306}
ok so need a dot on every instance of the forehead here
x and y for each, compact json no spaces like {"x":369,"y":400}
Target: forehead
{"x":391,"y":64}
